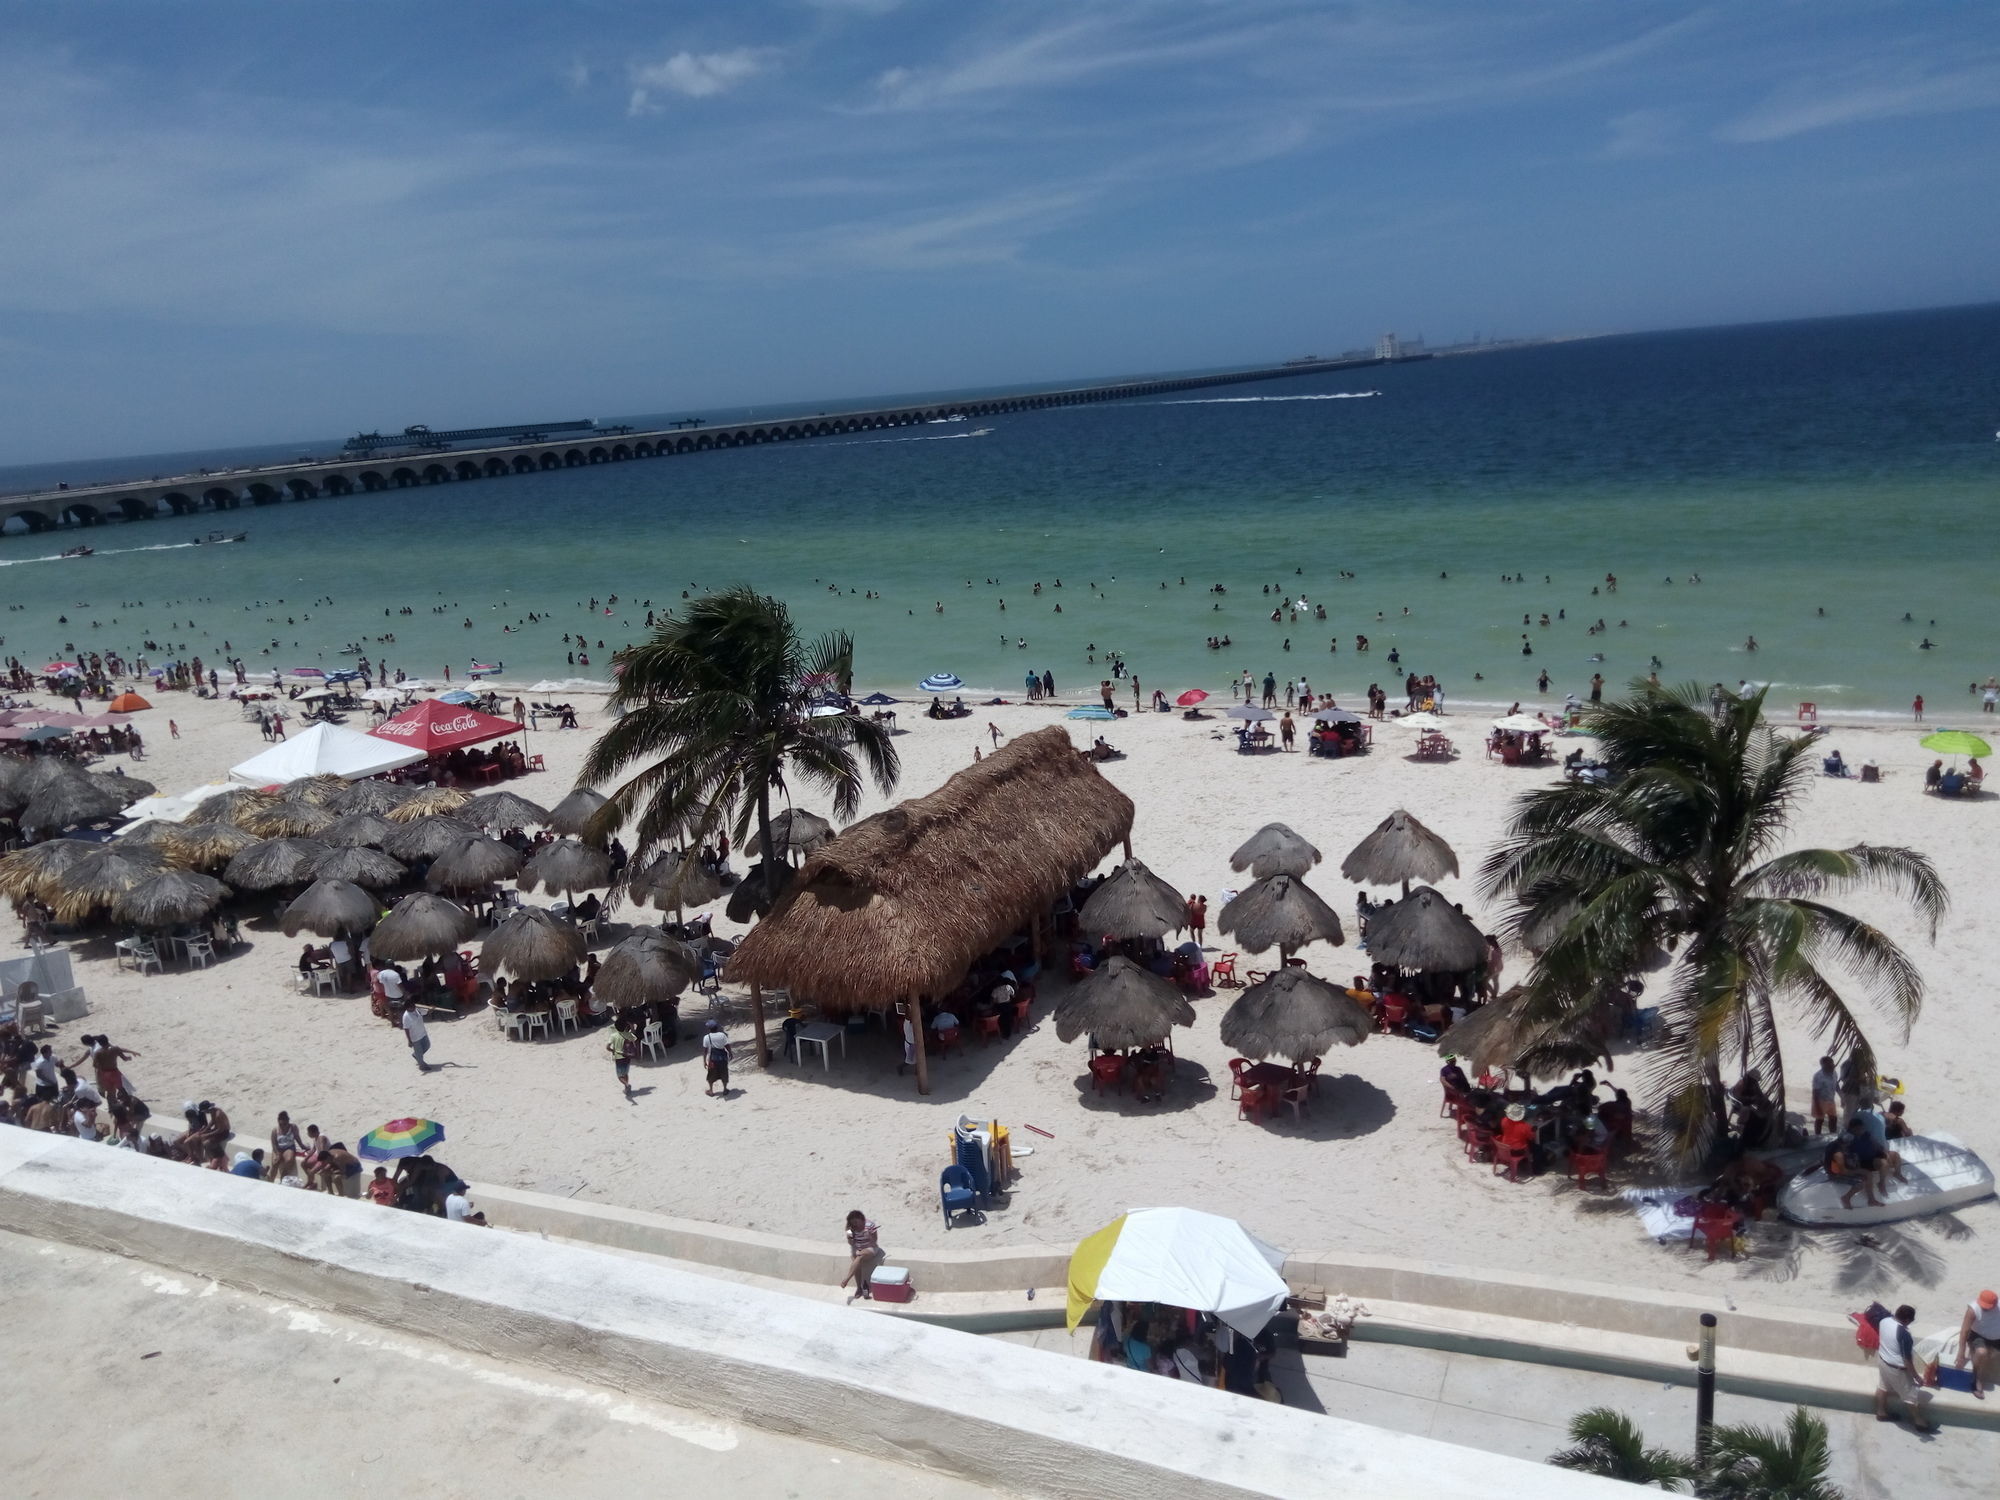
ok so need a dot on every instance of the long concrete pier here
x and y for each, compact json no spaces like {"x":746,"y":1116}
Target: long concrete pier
{"x":191,"y":494}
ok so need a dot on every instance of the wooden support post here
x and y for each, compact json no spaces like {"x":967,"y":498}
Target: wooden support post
{"x":923,"y":1063}
{"x":757,"y":1021}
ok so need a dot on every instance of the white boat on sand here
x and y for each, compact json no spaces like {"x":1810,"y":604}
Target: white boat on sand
{"x":1942,"y":1171}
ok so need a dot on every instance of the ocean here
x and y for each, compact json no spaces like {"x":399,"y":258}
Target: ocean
{"x":1830,"y":484}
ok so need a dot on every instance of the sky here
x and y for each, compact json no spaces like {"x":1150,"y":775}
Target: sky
{"x":257,"y":222}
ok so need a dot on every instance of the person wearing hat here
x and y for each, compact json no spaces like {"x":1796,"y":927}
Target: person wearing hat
{"x":715,"y":1053}
{"x":1515,"y":1131}
{"x":1979,"y":1341}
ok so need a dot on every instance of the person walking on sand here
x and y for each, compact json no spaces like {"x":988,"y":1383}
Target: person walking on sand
{"x":715,"y":1053}
{"x":1197,"y":917}
{"x":173,"y":730}
{"x":1917,"y":708}
{"x":1286,"y":729}
{"x":418,"y":1034}
{"x":864,"y":1244}
{"x":620,"y":1048}
{"x":1896,"y":1370}
{"x":1104,"y":692}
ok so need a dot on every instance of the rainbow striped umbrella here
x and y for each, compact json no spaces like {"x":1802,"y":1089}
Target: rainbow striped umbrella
{"x":401,"y":1138}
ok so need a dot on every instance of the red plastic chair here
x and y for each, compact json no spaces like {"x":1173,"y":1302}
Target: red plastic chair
{"x":1808,"y":713}
{"x":1512,"y":1160}
{"x":1584,"y":1165}
{"x":1237,"y":1066}
{"x":1312,"y":1076}
{"x":1391,"y":1012}
{"x":989,"y":1026}
{"x":948,"y":1039}
{"x":1716,"y":1225}
{"x":1256,"y":1103}
{"x":1223,"y":972}
{"x":1108,"y":1067}
{"x":1479,"y":1144}
{"x":536,"y":763}
{"x":1021,"y":1008}
{"x":1453,"y":1102}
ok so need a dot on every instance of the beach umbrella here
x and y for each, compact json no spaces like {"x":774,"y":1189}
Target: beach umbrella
{"x":1274,"y":849}
{"x":752,"y":897}
{"x":572,"y":815}
{"x":169,"y":899}
{"x":421,"y":926}
{"x":1955,"y":742}
{"x":154,"y":833}
{"x":371,"y":796}
{"x":1191,"y":697}
{"x":1249,"y":712}
{"x":1296,"y":1015}
{"x":501,"y":810}
{"x":230,"y":807}
{"x":331,"y":908}
{"x":1521,"y":724}
{"x":363,"y":867}
{"x":1180,"y":1257}
{"x":271,"y":864}
{"x":879,"y":700}
{"x":647,"y":967}
{"x":1133,"y":902}
{"x":44,"y":733}
{"x":127,"y":703}
{"x":533,"y":944}
{"x":1336,"y":716}
{"x":458,"y":697}
{"x":307,"y":672}
{"x":793,"y":831}
{"x":427,"y":802}
{"x":471,"y":864}
{"x":1399,"y":850}
{"x":1424,"y":931}
{"x":387,"y":697}
{"x":320,"y":790}
{"x":205,"y":846}
{"x":1421,"y":721}
{"x":1091,"y":713}
{"x":1282,"y":912}
{"x":941,"y":682}
{"x":69,"y":803}
{"x":357,"y":830}
{"x":1122,"y":1004}
{"x":674,"y":881}
{"x":1499,"y":1034}
{"x":287,"y":818}
{"x":34,"y":870}
{"x":427,"y":838}
{"x":99,"y":878}
{"x":129,"y":789}
{"x":400,"y":1138}
{"x":566,"y":866}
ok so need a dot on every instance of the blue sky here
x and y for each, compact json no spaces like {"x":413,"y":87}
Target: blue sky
{"x":248,"y":222}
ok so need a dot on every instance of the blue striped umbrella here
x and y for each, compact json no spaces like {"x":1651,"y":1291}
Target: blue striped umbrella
{"x":941,"y":682}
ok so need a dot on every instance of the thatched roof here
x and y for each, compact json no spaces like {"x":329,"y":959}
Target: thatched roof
{"x":1122,"y":1004}
{"x":499,"y":811}
{"x":1399,"y":850}
{"x":419,"y":927}
{"x":1274,"y":849}
{"x":758,"y":891}
{"x":472,"y":863}
{"x":533,"y":944}
{"x":566,"y":866}
{"x":229,"y":807}
{"x":1133,"y":902}
{"x":206,"y":846}
{"x":648,"y":966}
{"x":793,"y":831}
{"x":427,"y":838}
{"x":290,"y":817}
{"x":371,"y":796}
{"x":370,"y":868}
{"x":1282,"y":912}
{"x":93,"y":882}
{"x":357,"y":830}
{"x":427,"y":802}
{"x":170,"y":898}
{"x":331,"y":908}
{"x":673,"y":881}
{"x":572,"y":815}
{"x":156,"y":833}
{"x":34,"y":870}
{"x":1425,"y":931}
{"x":903,"y":902}
{"x":67,"y":801}
{"x":271,"y":863}
{"x":1294,"y":1014}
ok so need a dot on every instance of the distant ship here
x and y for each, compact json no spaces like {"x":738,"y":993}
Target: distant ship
{"x":940,"y":421}
{"x":229,"y":536}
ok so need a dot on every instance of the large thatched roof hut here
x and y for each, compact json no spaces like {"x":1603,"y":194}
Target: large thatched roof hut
{"x":902,"y":903}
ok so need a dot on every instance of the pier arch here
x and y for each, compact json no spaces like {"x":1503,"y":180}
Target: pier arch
{"x":551,"y":461}
{"x":642,"y":450}
{"x":82,"y":513}
{"x":135,"y":508}
{"x":264,"y":494}
{"x":598,"y":456}
{"x":302,"y":489}
{"x":31,"y":521}
{"x":436,"y":474}
{"x":524,"y":464}
{"x":496,"y":468}
{"x":219,"y":497}
{"x":371,"y":481}
{"x":620,"y":453}
{"x":404,"y":478}
{"x":574,"y":459}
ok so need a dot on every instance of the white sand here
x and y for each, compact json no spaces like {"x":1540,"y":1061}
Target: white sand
{"x":1373,"y":1170}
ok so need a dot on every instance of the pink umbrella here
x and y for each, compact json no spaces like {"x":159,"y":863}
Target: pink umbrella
{"x":59,"y":666}
{"x":307,"y":672}
{"x":1191,"y":697}
{"x":60,"y":721}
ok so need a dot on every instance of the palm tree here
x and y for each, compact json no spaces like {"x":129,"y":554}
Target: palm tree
{"x":1680,"y":851}
{"x":715,"y":712}
{"x":1608,"y":1444}
{"x":1770,"y":1463}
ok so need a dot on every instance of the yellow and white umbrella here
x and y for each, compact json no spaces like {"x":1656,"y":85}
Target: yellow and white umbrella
{"x":1179,"y":1257}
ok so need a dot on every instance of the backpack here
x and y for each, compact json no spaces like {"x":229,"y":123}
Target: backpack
{"x":1868,"y":1327}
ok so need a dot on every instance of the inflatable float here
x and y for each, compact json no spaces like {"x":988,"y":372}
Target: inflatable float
{"x":1943,"y":1172}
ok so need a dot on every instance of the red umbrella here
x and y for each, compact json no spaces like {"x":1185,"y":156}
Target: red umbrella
{"x":1191,"y":697}
{"x":59,"y":720}
{"x":432,"y":726}
{"x":59,"y":666}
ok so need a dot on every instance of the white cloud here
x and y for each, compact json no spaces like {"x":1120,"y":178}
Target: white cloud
{"x":696,"y":75}
{"x":1641,"y":133}
{"x":1875,"y":94}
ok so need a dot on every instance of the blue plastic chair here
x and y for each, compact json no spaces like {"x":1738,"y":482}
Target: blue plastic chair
{"x":972,"y":1162}
{"x":956,"y":1195}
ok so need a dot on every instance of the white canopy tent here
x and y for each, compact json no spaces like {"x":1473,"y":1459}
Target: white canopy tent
{"x":323,"y":750}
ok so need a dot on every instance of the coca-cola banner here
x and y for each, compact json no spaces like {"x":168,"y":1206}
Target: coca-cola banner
{"x":432,"y":726}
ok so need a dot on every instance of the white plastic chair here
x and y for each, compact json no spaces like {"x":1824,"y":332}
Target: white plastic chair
{"x":652,"y":1041}
{"x":533,"y":1021}
{"x":325,"y":981}
{"x":199,"y":951}
{"x":145,"y":956}
{"x":514,"y":1024}
{"x":566,"y":1016}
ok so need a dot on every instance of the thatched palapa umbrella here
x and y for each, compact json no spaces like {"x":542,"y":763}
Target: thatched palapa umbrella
{"x":153,"y":833}
{"x":321,"y":791}
{"x":1122,"y":1004}
{"x":170,"y":898}
{"x":370,"y":868}
{"x":1274,"y":849}
{"x":1500,"y":1034}
{"x":371,"y":796}
{"x":98,"y":879}
{"x":128,"y":788}
{"x":419,"y":927}
{"x":1282,"y":912}
{"x":331,"y":908}
{"x":674,"y":881}
{"x":357,"y":830}
{"x":287,"y":818}
{"x":271,"y":863}
{"x":647,"y":967}
{"x":427,"y":838}
{"x":472,"y":864}
{"x":1133,"y":902}
{"x":427,"y":802}
{"x":1400,"y":850}
{"x":229,"y":807}
{"x":499,"y":811}
{"x":533,"y":944}
{"x":69,"y":802}
{"x":565,"y":867}
{"x":35,"y":870}
{"x":1296,"y":1015}
{"x":206,"y":846}
{"x":793,"y":831}
{"x":572,"y":815}
{"x":1424,"y":931}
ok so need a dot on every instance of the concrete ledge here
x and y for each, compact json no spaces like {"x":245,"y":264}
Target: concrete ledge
{"x":989,"y":1412}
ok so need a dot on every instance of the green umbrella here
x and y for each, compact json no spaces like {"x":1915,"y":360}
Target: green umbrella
{"x":1955,"y":742}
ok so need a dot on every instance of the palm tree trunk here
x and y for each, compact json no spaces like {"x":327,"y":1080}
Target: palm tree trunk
{"x":764,"y":876}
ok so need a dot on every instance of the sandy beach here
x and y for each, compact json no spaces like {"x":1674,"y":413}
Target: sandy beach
{"x":1372,"y":1169}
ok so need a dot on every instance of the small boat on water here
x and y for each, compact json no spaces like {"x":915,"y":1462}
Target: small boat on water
{"x":78,"y":551}
{"x":217,"y":537}
{"x":941,"y":421}
{"x":1943,"y":1172}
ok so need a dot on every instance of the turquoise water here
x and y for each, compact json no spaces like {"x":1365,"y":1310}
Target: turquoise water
{"x":1846,"y":465}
